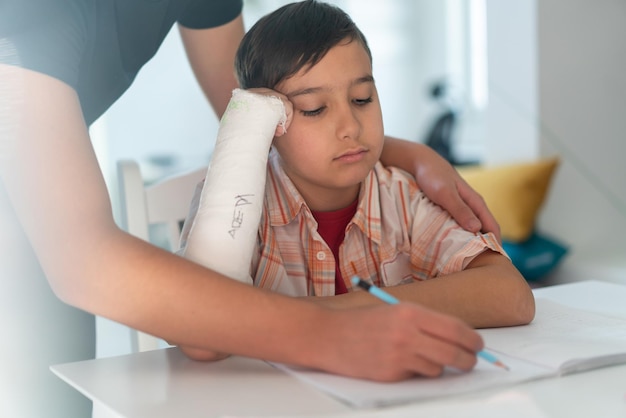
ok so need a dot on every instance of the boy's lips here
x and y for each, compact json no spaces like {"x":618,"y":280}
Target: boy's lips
{"x":352,"y":155}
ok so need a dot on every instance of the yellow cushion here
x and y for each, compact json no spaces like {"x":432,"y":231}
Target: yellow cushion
{"x":514,"y":193}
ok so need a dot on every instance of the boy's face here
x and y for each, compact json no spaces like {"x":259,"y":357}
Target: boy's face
{"x":336,"y":135}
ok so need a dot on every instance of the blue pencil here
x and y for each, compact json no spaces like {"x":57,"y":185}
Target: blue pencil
{"x":386,"y":297}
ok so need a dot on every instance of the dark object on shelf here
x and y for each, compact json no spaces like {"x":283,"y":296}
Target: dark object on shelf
{"x":440,"y":135}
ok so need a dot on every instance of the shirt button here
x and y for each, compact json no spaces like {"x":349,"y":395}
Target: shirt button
{"x":321,"y":255}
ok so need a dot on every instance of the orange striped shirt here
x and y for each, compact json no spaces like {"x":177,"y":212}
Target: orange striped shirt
{"x":396,"y":236}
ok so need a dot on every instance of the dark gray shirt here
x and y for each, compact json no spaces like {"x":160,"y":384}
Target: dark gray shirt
{"x":98,"y":46}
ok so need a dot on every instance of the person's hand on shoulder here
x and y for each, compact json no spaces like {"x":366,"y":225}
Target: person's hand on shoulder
{"x":441,"y":183}
{"x":444,"y":186}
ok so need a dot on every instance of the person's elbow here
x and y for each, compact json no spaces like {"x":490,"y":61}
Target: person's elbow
{"x":521,"y":303}
{"x":512,"y":297}
{"x":201,"y":354}
{"x":525,"y":310}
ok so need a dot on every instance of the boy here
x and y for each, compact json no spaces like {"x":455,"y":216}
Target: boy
{"x":331,"y":210}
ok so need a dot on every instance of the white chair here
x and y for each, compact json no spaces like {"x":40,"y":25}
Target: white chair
{"x":165,"y":203}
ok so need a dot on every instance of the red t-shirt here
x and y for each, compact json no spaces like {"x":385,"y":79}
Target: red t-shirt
{"x":332,"y":228}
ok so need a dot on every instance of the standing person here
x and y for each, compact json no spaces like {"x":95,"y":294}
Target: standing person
{"x":331,"y":211}
{"x":63,"y":63}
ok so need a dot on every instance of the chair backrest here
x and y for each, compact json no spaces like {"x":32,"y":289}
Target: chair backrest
{"x":164,"y":203}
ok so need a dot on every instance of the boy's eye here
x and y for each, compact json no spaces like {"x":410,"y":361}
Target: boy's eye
{"x":319,"y":110}
{"x":313,"y":112}
{"x":363,"y":101}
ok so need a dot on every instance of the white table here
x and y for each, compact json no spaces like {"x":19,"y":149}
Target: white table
{"x":163,"y":383}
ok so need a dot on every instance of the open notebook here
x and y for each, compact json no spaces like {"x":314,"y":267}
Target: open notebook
{"x":559,"y":341}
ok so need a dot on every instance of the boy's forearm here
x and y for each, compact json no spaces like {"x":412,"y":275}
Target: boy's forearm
{"x":489,"y":293}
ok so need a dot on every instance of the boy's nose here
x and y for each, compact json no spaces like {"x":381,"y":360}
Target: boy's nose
{"x":348,"y":125}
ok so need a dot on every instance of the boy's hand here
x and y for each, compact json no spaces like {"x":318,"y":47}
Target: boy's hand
{"x":282,"y":128}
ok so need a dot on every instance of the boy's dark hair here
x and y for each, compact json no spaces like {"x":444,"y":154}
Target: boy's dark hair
{"x":290,"y":38}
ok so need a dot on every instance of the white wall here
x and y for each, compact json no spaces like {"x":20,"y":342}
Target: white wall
{"x":557,"y":87}
{"x":511,"y":133}
{"x":582,"y":102}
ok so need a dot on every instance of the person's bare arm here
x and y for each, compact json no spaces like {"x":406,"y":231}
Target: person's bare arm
{"x":211,"y":53}
{"x":52,"y":178}
{"x":490,"y":292}
{"x":441,"y":183}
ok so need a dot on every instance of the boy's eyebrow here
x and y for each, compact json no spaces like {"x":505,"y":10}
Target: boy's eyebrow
{"x":365,"y":79}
